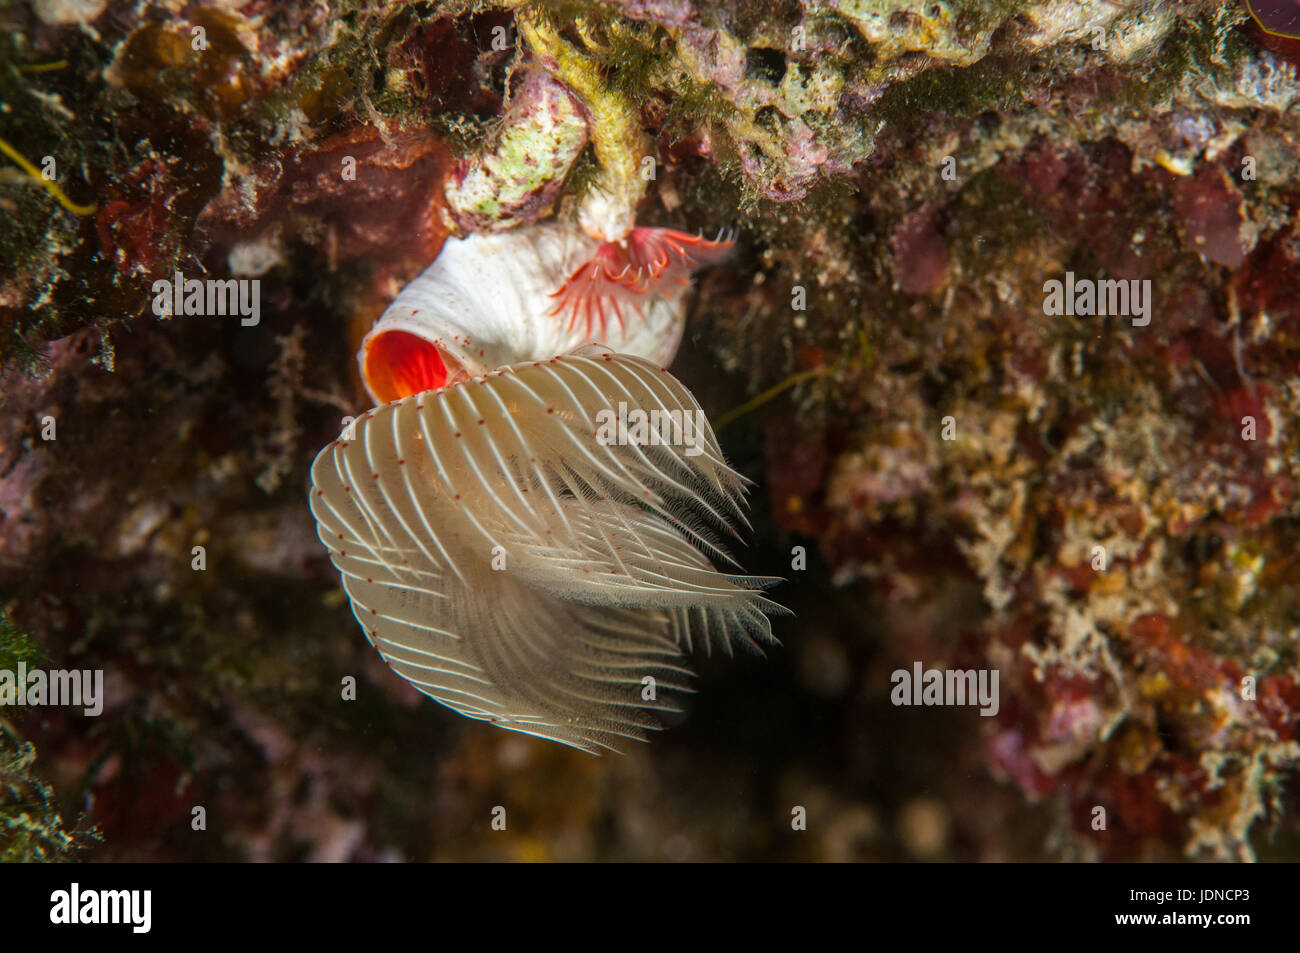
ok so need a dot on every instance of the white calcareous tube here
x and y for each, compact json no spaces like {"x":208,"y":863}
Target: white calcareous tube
{"x":494,"y":299}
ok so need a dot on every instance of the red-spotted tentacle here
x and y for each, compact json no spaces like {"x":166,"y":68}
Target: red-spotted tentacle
{"x":666,"y":258}
{"x":649,"y":261}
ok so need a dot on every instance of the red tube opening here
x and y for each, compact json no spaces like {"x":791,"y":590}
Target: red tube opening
{"x":399,"y":364}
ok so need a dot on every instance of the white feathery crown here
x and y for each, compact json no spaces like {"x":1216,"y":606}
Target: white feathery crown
{"x":517,"y":569}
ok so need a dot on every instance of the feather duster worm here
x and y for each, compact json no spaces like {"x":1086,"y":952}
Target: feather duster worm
{"x":508,"y":552}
